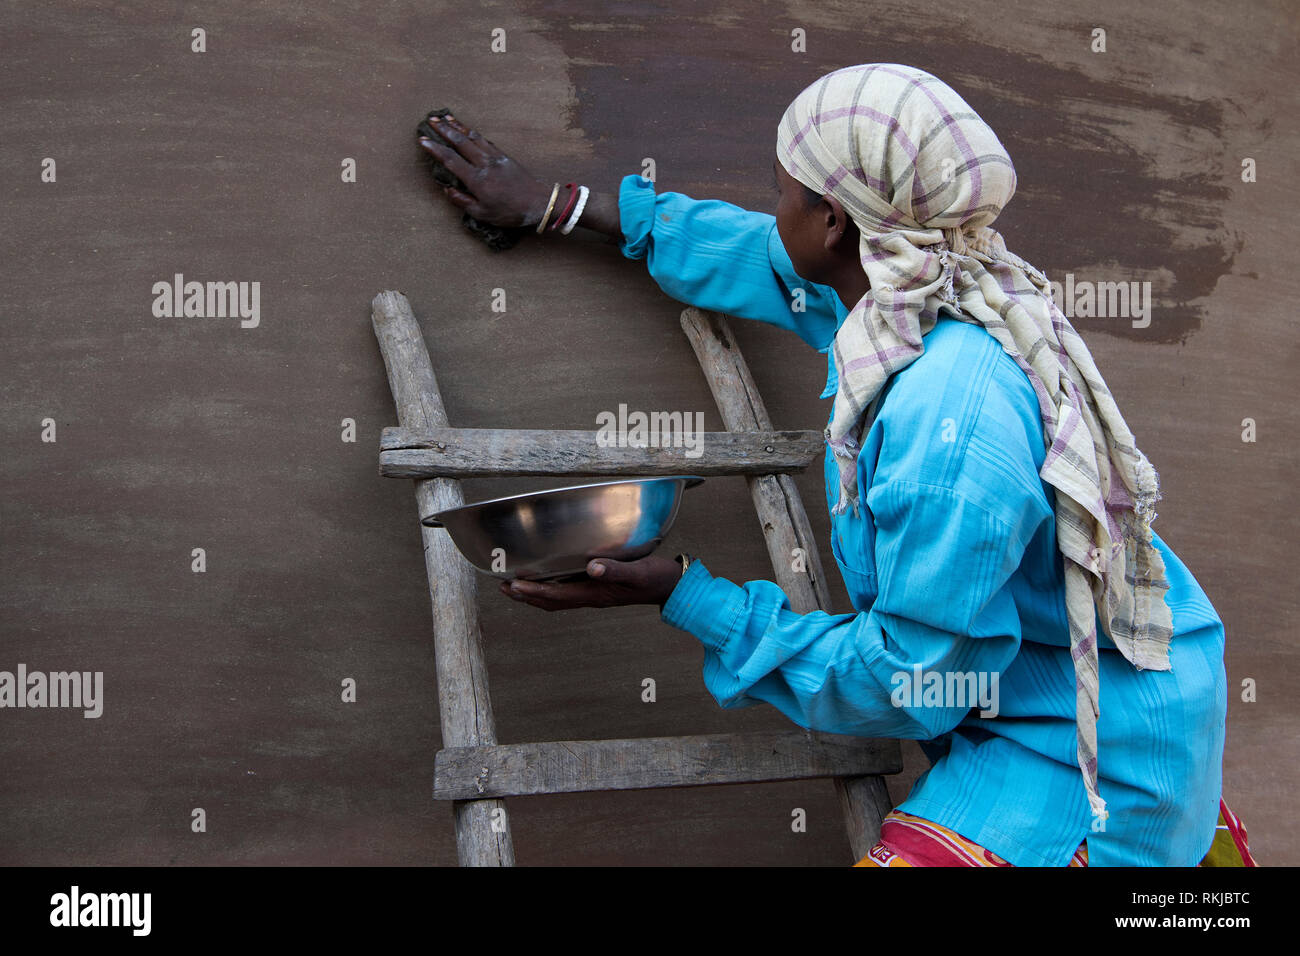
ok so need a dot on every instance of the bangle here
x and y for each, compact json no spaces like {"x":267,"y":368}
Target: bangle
{"x":573,"y":195}
{"x":684,"y":560}
{"x":583,"y":193}
{"x":549,"y":206}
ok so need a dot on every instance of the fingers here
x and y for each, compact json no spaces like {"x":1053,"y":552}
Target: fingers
{"x":529,"y":592}
{"x":454,"y":132}
{"x":609,"y":583}
{"x":635,"y":574}
{"x":463,"y":200}
{"x":463,"y":170}
{"x":551,"y":597}
{"x":485,"y":146}
{"x":612,"y":571}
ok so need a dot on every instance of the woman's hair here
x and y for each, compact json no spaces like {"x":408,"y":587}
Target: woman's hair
{"x":810,"y":197}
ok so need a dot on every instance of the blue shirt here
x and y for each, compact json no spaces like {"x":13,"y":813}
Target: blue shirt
{"x":952,"y":569}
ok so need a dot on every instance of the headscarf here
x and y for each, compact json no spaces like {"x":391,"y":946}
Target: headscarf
{"x":923,"y":177}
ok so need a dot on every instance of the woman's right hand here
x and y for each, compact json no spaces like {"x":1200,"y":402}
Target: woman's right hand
{"x":499,"y":190}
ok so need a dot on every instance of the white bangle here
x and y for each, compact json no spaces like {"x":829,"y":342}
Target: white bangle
{"x":583,"y":192}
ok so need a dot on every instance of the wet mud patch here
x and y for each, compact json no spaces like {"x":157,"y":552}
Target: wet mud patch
{"x":1119,"y":180}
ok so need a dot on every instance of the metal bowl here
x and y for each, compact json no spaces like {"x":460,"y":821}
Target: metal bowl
{"x":551,"y":535}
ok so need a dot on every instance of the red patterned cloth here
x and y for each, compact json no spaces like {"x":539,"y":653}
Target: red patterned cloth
{"x":908,"y":840}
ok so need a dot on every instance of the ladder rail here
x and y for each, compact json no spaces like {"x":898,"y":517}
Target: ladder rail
{"x":864,"y":800}
{"x":464,"y":705}
{"x":473,"y":771}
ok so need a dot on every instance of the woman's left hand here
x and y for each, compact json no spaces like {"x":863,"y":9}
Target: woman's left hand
{"x":609,"y":583}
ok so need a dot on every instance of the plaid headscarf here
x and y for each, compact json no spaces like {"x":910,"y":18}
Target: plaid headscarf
{"x":922,"y":177}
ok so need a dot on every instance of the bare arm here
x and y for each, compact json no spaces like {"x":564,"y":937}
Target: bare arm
{"x":502,"y":192}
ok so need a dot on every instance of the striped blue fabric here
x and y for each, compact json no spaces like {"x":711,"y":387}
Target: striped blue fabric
{"x":952,"y":569}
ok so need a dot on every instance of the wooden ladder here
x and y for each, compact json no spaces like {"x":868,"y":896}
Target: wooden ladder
{"x":475,"y":772}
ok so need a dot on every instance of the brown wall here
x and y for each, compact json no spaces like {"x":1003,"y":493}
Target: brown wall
{"x":222,"y":688}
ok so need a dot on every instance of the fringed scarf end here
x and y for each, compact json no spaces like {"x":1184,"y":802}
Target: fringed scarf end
{"x":1098,"y":806}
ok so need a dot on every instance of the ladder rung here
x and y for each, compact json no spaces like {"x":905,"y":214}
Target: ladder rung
{"x":570,"y":766}
{"x":485,"y":452}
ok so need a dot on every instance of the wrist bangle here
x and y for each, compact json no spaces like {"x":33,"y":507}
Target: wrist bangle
{"x":583,"y":193}
{"x":684,"y":560}
{"x":555,"y":190}
{"x":568,"y":207}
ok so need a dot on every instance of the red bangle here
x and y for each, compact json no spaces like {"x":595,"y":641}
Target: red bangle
{"x":568,"y":206}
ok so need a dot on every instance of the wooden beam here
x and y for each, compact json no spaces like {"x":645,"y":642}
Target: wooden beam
{"x":475,"y":452}
{"x":570,"y":766}
{"x":465,"y":709}
{"x":865,"y":801}
{"x":785,"y":525}
{"x":780,"y":511}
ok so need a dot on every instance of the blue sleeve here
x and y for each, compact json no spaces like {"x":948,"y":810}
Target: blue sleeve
{"x":942,"y":562}
{"x":715,"y":255}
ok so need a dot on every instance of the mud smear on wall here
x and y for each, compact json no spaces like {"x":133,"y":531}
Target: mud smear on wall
{"x":1118,"y":181}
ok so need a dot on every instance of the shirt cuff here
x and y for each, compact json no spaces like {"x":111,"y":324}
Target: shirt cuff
{"x":636,"y":211}
{"x":700,"y":605}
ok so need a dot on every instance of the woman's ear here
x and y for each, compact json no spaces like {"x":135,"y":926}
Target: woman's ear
{"x":839,"y":226}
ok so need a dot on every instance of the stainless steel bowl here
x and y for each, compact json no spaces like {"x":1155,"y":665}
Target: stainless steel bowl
{"x":551,"y":535}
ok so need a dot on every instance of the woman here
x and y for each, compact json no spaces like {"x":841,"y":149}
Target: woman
{"x":1005,"y":539}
